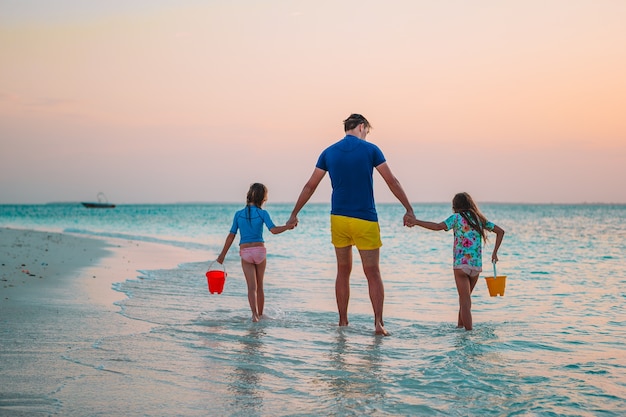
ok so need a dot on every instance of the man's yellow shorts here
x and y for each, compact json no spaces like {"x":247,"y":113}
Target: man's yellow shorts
{"x":348,"y":231}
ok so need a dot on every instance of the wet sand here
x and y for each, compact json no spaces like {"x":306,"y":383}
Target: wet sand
{"x":55,"y":297}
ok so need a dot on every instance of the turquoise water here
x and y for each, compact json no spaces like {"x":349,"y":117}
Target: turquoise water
{"x":552,"y":346}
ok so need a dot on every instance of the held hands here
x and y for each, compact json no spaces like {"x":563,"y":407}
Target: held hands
{"x":409,"y":219}
{"x":292,"y":222}
{"x":290,"y":226}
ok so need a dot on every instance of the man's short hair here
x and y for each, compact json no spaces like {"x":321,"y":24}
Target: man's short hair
{"x":354,"y":120}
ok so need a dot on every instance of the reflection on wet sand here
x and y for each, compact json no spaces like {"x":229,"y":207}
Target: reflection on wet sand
{"x":247,"y":374}
{"x":355,"y":375}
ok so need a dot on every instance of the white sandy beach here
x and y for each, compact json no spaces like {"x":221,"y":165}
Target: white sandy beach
{"x":56,"y":296}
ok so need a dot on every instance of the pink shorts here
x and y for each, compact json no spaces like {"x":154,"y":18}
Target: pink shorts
{"x":472,"y":271}
{"x":254,"y":254}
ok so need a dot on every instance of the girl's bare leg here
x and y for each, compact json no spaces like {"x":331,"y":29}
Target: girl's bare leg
{"x":473,"y":281}
{"x":260,"y":293}
{"x":249,"y":271}
{"x":464,"y":286}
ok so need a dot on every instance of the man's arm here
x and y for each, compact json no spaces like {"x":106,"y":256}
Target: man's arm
{"x":306,"y":193}
{"x":397,"y":190}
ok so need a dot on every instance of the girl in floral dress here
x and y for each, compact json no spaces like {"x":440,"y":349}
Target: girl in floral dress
{"x":469,"y":226}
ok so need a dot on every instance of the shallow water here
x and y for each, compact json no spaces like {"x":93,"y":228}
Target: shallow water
{"x":552,"y":346}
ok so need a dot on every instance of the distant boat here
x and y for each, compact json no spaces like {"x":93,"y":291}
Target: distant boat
{"x":103,"y":202}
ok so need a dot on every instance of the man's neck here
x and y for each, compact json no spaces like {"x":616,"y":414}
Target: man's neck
{"x":359,"y":133}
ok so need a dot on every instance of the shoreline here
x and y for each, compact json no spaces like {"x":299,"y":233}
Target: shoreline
{"x":56,"y":298}
{"x":33,"y":260}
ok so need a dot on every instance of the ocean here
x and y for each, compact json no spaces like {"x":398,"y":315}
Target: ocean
{"x":553,"y":345}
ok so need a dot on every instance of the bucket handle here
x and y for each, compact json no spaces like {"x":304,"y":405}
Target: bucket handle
{"x":495,"y":275}
{"x":223,"y":268}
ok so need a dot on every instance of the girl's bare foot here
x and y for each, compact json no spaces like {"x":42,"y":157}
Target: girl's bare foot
{"x":255,"y":318}
{"x":380,"y":329}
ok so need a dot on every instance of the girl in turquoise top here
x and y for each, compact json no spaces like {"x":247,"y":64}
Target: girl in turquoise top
{"x":469,"y":226}
{"x":249,"y":222}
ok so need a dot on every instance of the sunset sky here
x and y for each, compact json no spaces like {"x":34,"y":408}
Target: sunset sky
{"x":191,"y":101}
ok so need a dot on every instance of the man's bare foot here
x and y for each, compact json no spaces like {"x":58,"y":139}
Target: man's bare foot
{"x":343,"y":323}
{"x":380,"y":329}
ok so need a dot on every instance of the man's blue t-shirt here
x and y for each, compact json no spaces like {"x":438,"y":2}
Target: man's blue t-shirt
{"x":350,"y":164}
{"x":249,"y":221}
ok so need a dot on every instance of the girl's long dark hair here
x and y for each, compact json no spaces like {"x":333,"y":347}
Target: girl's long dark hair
{"x":256,"y":196}
{"x":463,"y":204}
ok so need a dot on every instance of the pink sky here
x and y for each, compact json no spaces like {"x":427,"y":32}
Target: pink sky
{"x":160,"y":101}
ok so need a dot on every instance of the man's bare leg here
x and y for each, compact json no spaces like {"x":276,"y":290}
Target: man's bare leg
{"x":342,"y":282}
{"x":371,"y":267}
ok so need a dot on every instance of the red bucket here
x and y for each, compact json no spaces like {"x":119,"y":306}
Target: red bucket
{"x":216,"y":278}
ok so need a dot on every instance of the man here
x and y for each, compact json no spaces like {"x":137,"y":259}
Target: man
{"x":354,"y":221}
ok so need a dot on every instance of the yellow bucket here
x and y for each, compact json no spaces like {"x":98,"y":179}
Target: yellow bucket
{"x":496,"y":283}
